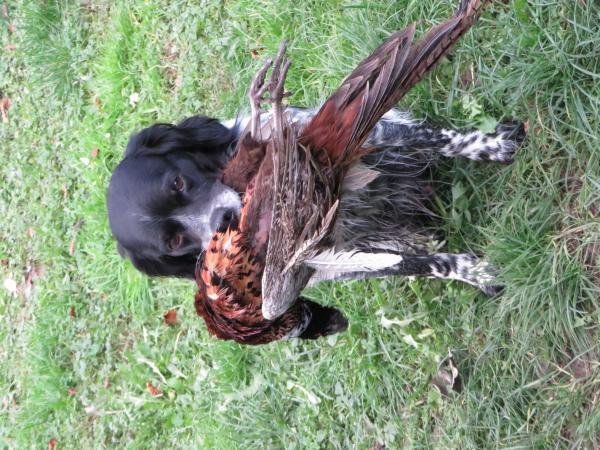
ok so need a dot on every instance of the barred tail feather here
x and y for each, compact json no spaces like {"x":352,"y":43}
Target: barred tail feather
{"x":380,"y":81}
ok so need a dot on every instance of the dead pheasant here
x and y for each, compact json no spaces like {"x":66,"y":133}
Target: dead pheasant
{"x":250,"y":278}
{"x":229,"y":279}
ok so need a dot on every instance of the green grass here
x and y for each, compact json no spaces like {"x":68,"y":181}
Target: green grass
{"x":528,"y":359}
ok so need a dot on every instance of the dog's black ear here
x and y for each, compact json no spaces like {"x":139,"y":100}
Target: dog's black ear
{"x":165,"y":266}
{"x":195,"y":135}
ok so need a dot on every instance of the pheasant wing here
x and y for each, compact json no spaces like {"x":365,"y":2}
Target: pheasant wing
{"x":297,"y":212}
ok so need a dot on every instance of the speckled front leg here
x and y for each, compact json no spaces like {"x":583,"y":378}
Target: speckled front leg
{"x":500,"y":146}
{"x":464,"y":267}
{"x":398,"y":129}
{"x":467,"y":268}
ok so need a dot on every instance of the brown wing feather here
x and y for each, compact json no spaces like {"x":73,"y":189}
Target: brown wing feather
{"x":438,"y":41}
{"x":335,"y":125}
{"x":298,"y":208}
{"x":380,"y":81}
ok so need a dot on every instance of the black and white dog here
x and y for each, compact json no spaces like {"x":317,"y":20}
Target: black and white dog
{"x":165,"y":198}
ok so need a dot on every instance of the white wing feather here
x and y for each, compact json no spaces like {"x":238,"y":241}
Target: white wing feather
{"x":342,"y":261}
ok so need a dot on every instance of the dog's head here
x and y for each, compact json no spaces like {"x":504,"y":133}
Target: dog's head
{"x":165,"y":199}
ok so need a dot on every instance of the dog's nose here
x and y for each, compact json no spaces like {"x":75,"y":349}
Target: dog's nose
{"x":229,"y":219}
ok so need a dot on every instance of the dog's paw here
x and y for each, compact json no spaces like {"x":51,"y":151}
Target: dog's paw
{"x":479,"y":273}
{"x":509,"y":137}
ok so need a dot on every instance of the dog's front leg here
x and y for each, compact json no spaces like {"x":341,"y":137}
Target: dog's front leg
{"x":464,"y":267}
{"x":398,"y":129}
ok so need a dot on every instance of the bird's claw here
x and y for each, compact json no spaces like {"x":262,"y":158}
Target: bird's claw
{"x":275,"y":87}
{"x":258,"y":86}
{"x":279,"y":74}
{"x":256,"y":96}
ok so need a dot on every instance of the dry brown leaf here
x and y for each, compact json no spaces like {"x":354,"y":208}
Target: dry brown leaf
{"x":10,"y":47}
{"x":4,"y":107}
{"x":65,"y":192}
{"x":447,"y":380}
{"x":467,"y":78}
{"x":29,"y":277}
{"x":38,"y":270}
{"x":12,"y":27}
{"x":256,"y":52}
{"x":580,"y":368}
{"x":106,"y":383}
{"x":52,"y":444}
{"x":72,"y":391}
{"x":72,"y":312}
{"x":76,"y":228}
{"x":94,"y":153}
{"x":171,"y":317}
{"x":34,"y":272}
{"x":154,"y":391}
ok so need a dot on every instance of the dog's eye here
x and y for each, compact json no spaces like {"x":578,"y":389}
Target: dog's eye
{"x":175,"y":241}
{"x":178,"y":184}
